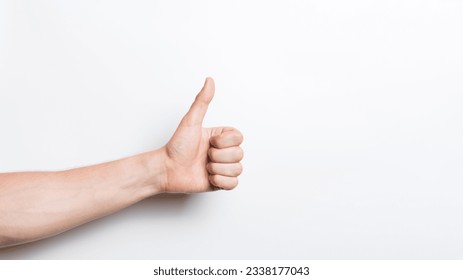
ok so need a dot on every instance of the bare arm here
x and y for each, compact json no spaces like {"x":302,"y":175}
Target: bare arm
{"x":35,"y":205}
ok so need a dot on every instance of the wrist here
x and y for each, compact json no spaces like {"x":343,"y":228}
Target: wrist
{"x":155,"y":172}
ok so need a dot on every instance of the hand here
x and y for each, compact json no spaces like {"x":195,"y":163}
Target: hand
{"x":201,"y":159}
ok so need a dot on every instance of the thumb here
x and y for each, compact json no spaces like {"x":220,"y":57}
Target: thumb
{"x":198,"y":109}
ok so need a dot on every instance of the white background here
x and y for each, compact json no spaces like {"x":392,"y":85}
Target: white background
{"x":351,"y":111}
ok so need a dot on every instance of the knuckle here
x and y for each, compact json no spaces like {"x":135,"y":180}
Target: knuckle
{"x":239,"y":169}
{"x":210,"y":167}
{"x":233,"y":183}
{"x":239,"y":153}
{"x":211,"y":153}
{"x":238,"y":137}
{"x":215,"y":141}
{"x":213,"y":180}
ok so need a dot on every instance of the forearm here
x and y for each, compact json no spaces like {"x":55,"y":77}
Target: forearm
{"x":35,"y":205}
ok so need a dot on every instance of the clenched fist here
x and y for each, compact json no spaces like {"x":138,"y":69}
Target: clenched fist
{"x":202,"y":159}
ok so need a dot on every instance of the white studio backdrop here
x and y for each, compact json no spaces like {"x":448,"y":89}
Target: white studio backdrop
{"x":351,"y":111}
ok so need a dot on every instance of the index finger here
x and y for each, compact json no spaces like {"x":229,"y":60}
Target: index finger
{"x":229,"y":137}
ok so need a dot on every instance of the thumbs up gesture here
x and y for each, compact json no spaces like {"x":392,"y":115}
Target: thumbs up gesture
{"x":201,"y":159}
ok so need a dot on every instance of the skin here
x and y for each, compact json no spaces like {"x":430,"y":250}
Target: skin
{"x":36,"y":205}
